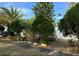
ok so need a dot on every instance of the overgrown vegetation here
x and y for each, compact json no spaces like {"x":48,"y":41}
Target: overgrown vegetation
{"x":70,"y":22}
{"x":41,"y":23}
{"x":44,"y":23}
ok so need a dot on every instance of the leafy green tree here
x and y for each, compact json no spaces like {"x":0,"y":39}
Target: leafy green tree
{"x":17,"y":26}
{"x":44,"y":23}
{"x":30,"y":22}
{"x":70,"y":22}
{"x":43,"y":26}
{"x":12,"y":17}
{"x":46,"y":8}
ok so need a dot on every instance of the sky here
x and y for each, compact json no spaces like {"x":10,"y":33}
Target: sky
{"x":60,"y":8}
{"x":26,"y":7}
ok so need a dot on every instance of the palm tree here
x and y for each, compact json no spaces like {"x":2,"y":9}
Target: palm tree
{"x":10,"y":14}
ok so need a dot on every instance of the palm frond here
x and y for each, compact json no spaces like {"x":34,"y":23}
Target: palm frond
{"x":5,"y":10}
